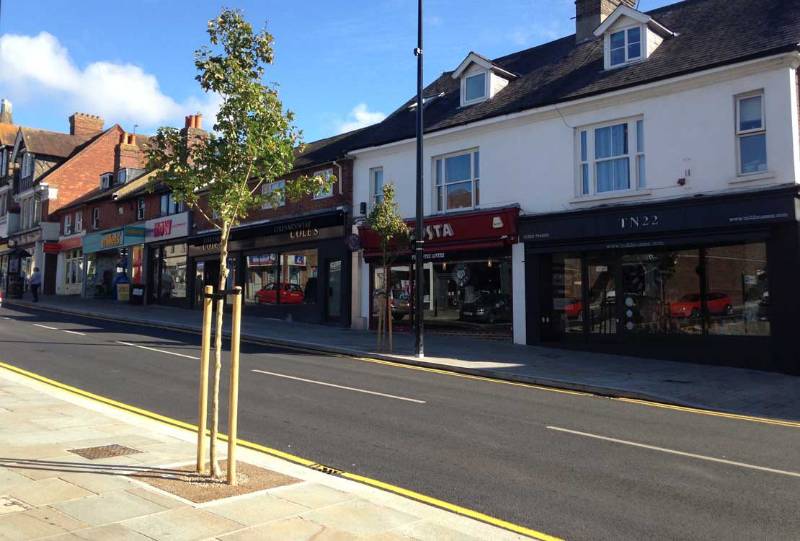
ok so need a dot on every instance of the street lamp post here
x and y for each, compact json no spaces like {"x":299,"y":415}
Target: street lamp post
{"x":419,"y":243}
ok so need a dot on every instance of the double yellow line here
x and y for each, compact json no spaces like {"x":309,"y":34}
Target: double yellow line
{"x":516,"y":528}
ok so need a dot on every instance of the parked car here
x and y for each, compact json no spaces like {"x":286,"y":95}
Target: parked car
{"x":401,"y":304}
{"x":289,"y":293}
{"x":690,"y":305}
{"x":487,"y":308}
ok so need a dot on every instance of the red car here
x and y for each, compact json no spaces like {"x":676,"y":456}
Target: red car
{"x":573,"y":309}
{"x":290,"y":294}
{"x":690,"y":305}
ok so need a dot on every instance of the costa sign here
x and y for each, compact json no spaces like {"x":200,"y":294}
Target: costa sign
{"x":167,"y":227}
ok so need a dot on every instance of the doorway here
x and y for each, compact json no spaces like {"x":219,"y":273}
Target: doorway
{"x":334,"y":290}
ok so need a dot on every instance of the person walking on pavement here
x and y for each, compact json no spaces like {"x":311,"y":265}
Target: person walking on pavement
{"x":36,"y":282}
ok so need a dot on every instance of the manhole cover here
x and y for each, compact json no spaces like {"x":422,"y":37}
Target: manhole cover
{"x":104,"y":451}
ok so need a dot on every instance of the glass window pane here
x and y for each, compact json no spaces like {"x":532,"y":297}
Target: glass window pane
{"x":477,"y":164}
{"x":605,"y":176}
{"x":602,"y":143}
{"x":299,"y":271}
{"x":617,"y":56}
{"x":173,"y":275}
{"x":640,"y":136}
{"x":750,"y":114}
{"x":737,"y":290}
{"x":262,"y":276}
{"x":459,"y":195}
{"x":634,"y":51}
{"x":634,"y":35}
{"x":622,"y":176}
{"x":477,"y":192}
{"x":753,"y":153}
{"x":567,"y":294}
{"x":584,"y":147}
{"x":585,"y":178}
{"x":602,"y":296}
{"x":475,"y":87}
{"x":457,"y":168}
{"x":619,"y":139}
{"x":439,"y":198}
{"x":640,"y":169}
{"x":617,"y":40}
{"x":661,"y":293}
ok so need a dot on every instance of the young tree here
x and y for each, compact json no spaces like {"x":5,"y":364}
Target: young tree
{"x":253,"y":142}
{"x":386,"y":222}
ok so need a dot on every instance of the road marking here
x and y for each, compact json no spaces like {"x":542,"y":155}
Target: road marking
{"x":45,"y":326}
{"x":75,"y":332}
{"x":158,"y":350}
{"x":457,"y":509}
{"x":711,"y":413}
{"x":341,"y":387}
{"x":674,"y":452}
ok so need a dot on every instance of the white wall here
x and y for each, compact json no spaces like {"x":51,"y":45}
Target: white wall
{"x":530,"y":160}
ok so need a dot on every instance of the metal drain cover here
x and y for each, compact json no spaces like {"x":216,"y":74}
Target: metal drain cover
{"x":104,"y":451}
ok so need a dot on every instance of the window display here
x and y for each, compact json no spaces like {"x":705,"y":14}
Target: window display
{"x":137,"y":264}
{"x":262,"y":276}
{"x":173,"y":272}
{"x":299,"y":271}
{"x":567,"y":294}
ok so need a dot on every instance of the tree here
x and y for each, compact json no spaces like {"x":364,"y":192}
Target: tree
{"x":253,"y":142}
{"x":386,"y":222}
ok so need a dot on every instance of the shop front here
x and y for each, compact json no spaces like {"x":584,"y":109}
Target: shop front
{"x":69,"y":276}
{"x":109,"y":258}
{"x":167,"y":278}
{"x":295,"y":269}
{"x":467,"y":270}
{"x":710,"y":279}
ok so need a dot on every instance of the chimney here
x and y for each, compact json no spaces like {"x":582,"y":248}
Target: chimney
{"x":589,"y":14}
{"x":5,"y":112}
{"x":85,"y":125}
{"x":128,"y":154}
{"x":193,"y":127}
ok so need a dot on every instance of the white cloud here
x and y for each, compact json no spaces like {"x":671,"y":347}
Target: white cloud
{"x":359,"y":117}
{"x":40,"y":66}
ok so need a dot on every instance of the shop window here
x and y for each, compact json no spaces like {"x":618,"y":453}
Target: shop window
{"x":73,"y":269}
{"x":737,"y":301}
{"x":611,"y":158}
{"x":137,"y":264}
{"x":262,"y":279}
{"x":602,"y":295}
{"x":661,"y":293}
{"x":457,"y":181}
{"x":568,"y":314}
{"x":299,"y":277}
{"x":173,"y":272}
{"x":751,"y":134}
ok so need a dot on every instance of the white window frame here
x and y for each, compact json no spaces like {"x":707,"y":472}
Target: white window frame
{"x":4,"y":163}
{"x":741,"y":134}
{"x":106,"y":180}
{"x":68,"y":224}
{"x":27,"y":165}
{"x":270,"y":187}
{"x":628,"y":59}
{"x":327,"y":173}
{"x":375,"y":194}
{"x":78,"y":222}
{"x":440,"y":203}
{"x":634,"y":155}
{"x":140,"y":208}
{"x":96,"y":218}
{"x":486,"y":82}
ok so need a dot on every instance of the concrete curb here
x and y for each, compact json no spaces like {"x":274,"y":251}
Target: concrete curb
{"x":610,"y":392}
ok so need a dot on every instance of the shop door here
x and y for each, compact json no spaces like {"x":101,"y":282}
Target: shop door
{"x":334,"y":289}
{"x":601,"y":310}
{"x":211,"y":274}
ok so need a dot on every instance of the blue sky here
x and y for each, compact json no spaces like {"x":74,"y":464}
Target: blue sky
{"x":339,"y":64}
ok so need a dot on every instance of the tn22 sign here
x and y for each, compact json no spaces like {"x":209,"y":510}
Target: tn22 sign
{"x":641,"y":221}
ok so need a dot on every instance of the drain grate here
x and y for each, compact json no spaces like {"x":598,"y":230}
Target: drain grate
{"x":104,"y":451}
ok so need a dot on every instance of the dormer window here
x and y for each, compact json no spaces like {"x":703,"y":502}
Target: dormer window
{"x":480,"y":79}
{"x":474,"y":88}
{"x":106,"y":181}
{"x":625,"y":46}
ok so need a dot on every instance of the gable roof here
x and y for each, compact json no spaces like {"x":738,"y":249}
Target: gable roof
{"x":8,"y":133}
{"x":627,"y":11}
{"x":50,"y":143}
{"x":136,"y":186}
{"x":475,"y":58}
{"x":709,"y":33}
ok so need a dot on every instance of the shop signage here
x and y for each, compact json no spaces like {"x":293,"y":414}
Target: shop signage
{"x":111,"y":240}
{"x":51,"y":247}
{"x":167,"y":227}
{"x":70,"y":243}
{"x":304,"y":234}
{"x":699,"y":214}
{"x":439,"y":231}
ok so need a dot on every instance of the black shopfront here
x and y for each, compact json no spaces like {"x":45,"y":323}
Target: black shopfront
{"x":711,"y":279}
{"x":296,"y":269}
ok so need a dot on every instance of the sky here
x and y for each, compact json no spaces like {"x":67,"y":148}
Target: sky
{"x":339,"y":64}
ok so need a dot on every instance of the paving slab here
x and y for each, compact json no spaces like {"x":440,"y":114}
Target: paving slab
{"x":182,"y":524}
{"x":312,"y":494}
{"x":293,"y":529}
{"x":47,"y":491}
{"x":359,"y":517}
{"x":251,"y":510}
{"x":109,"y":507}
{"x":36,"y":523}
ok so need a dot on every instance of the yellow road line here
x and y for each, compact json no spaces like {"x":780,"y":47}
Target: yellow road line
{"x":457,"y":509}
{"x":712,"y":413}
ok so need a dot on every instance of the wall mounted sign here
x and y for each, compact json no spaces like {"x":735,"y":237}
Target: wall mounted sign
{"x":167,"y":227}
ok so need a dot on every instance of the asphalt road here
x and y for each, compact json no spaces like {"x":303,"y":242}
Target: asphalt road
{"x":574,"y":466}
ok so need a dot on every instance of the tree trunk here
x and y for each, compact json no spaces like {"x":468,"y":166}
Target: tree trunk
{"x":389,"y":299}
{"x":216,"y":472}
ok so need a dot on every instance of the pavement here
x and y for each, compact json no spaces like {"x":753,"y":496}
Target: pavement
{"x":47,"y":492}
{"x":720,"y":388}
{"x":573,"y":465}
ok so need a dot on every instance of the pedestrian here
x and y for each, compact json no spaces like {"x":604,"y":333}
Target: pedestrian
{"x":36,"y":282}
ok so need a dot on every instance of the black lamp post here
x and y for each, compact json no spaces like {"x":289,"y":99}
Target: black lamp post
{"x":419,"y":243}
